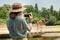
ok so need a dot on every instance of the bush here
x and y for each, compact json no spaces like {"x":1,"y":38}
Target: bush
{"x":58,"y":22}
{"x":52,"y":20}
{"x":2,"y":21}
{"x":35,"y":19}
{"x":3,"y":13}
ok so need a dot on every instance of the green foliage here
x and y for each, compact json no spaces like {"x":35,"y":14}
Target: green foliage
{"x":49,"y":15}
{"x":36,"y":19}
{"x":45,"y":13}
{"x":59,"y":15}
{"x":6,"y":6}
{"x":58,"y":22}
{"x":3,"y":13}
{"x":30,"y":8}
{"x":51,"y":9}
{"x":52,"y":20}
{"x":2,"y":21}
{"x":36,"y":8}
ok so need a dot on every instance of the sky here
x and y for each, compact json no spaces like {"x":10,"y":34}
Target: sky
{"x":41,"y":3}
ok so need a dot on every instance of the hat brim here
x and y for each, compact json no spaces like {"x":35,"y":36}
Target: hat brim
{"x":18,"y":10}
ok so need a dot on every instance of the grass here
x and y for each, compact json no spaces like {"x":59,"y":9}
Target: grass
{"x":32,"y":39}
{"x":49,"y":38}
{"x":11,"y":39}
{"x":29,"y":38}
{"x":5,"y":39}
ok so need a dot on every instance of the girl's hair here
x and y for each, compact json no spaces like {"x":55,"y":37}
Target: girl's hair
{"x":14,"y":13}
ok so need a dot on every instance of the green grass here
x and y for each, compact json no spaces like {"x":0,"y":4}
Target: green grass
{"x":50,"y":38}
{"x":11,"y":39}
{"x":32,"y":39}
{"x":28,"y":38}
{"x":5,"y":39}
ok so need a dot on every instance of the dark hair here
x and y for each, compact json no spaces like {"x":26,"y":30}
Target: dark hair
{"x":14,"y":13}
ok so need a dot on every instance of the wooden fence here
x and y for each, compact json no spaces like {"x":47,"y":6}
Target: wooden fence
{"x":47,"y":32}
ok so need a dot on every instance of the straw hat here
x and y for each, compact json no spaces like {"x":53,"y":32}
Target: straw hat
{"x":17,"y":7}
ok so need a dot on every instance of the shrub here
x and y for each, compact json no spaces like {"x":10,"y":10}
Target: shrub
{"x":52,"y":20}
{"x":58,"y":22}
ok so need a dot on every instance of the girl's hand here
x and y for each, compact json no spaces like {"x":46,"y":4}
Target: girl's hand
{"x":31,"y":18}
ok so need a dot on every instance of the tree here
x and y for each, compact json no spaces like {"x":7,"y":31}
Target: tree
{"x":3,"y":13}
{"x":30,"y":8}
{"x":59,"y":15}
{"x":36,"y":19}
{"x":6,"y":6}
{"x":36,"y":8}
{"x":52,"y":20}
{"x":48,"y":14}
{"x":56,"y":14}
{"x":58,"y":22}
{"x":51,"y":9}
{"x":45,"y":13}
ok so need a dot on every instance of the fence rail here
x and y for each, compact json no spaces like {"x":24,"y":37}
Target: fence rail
{"x":39,"y":37}
{"x":47,"y":32}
